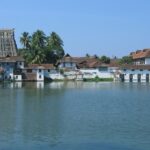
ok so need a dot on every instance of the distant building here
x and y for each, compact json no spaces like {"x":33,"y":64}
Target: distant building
{"x":141,"y":57}
{"x":10,"y":68}
{"x":8,"y":45}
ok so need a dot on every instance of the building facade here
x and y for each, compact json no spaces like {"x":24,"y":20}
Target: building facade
{"x":141,"y":57}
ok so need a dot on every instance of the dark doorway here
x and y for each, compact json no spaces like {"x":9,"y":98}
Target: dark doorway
{"x":122,"y":77}
{"x":139,"y":77}
{"x":147,"y":77}
{"x":131,"y":77}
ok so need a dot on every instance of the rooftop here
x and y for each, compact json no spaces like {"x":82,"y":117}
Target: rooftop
{"x":145,"y":53}
{"x":40,"y":66}
{"x":11,"y":59}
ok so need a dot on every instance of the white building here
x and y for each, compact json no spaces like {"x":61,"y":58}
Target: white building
{"x":141,"y":57}
{"x":11,"y":68}
{"x":134,"y":73}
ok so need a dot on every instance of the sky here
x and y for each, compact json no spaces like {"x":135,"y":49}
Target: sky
{"x":102,"y":27}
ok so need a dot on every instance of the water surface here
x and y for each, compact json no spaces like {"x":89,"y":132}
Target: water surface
{"x":75,"y":116}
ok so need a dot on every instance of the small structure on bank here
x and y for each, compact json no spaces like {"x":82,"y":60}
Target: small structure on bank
{"x":39,"y":72}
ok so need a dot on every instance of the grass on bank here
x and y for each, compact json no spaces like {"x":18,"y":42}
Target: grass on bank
{"x":97,"y":79}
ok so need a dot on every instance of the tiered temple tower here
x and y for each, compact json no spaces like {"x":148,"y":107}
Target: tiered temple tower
{"x":8,"y":45}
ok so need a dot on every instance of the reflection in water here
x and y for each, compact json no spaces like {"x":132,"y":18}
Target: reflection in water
{"x":75,"y":115}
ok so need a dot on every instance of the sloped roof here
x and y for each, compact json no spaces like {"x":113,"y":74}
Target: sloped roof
{"x":42,"y":66}
{"x":89,"y":62}
{"x":145,"y":53}
{"x":11,"y":59}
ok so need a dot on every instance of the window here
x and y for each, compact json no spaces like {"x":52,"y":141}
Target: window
{"x":20,"y":63}
{"x":124,"y":69}
{"x":48,"y":70}
{"x":40,"y":77}
{"x":40,"y":70}
{"x":103,"y":68}
{"x":16,"y":77}
{"x":141,"y":69}
{"x":132,"y":69}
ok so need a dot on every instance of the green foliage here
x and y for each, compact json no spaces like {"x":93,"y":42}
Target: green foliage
{"x":61,"y":71}
{"x":105,"y":59}
{"x":38,"y":40}
{"x":54,"y":49}
{"x":40,"y":48}
{"x":25,"y":40}
{"x":126,"y":60}
{"x":97,"y":79}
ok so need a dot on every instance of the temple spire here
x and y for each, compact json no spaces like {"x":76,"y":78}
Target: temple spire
{"x":8,"y":45}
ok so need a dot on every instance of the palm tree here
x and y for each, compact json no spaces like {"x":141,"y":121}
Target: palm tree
{"x":38,"y":56}
{"x":55,"y":46}
{"x":55,"y":41}
{"x":38,"y":39}
{"x":25,"y":40}
{"x":105,"y":59}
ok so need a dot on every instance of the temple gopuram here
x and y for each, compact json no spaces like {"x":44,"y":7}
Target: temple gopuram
{"x":8,"y":45}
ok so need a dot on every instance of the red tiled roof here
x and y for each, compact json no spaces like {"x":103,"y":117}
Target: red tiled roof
{"x":141,"y":54}
{"x":89,"y":62}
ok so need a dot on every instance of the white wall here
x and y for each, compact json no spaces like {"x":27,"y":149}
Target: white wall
{"x":17,"y":77}
{"x":147,"y":61}
{"x":39,"y":74}
{"x":92,"y":73}
{"x":135,"y":75}
{"x":67,"y":65}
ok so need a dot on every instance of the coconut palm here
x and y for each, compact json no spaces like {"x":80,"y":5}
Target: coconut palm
{"x":38,"y":39}
{"x":38,"y":56}
{"x":25,"y":40}
{"x":55,"y":40}
{"x":55,"y":44}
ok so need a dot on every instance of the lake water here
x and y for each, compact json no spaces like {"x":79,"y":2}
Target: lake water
{"x":75,"y":116}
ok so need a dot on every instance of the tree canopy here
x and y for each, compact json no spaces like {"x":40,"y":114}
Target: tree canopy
{"x":25,"y":40}
{"x":39,"y":48}
{"x":126,"y":60}
{"x":105,"y":59}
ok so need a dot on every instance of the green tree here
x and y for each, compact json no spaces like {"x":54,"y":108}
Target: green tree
{"x":126,"y":60}
{"x":25,"y":40}
{"x":105,"y":59}
{"x":38,"y":56}
{"x":55,"y":49}
{"x":43,"y":49}
{"x":38,"y":39}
